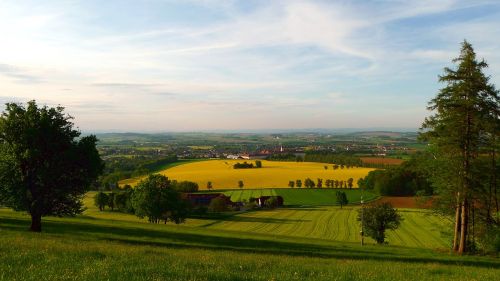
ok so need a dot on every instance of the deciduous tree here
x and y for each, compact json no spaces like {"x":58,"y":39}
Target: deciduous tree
{"x":376,"y":219}
{"x":46,"y":167}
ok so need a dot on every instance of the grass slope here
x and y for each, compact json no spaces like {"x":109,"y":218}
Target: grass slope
{"x":90,"y":248}
{"x":273,"y":174}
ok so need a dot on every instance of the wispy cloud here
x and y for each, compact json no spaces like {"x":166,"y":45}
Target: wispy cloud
{"x":172,"y":65}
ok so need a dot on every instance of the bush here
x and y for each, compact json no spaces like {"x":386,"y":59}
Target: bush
{"x":185,"y":186}
{"x":101,"y":200}
{"x":123,"y":201}
{"x":251,"y":205}
{"x":217,"y":205}
{"x":271,"y":203}
{"x":200,"y":211}
{"x":111,"y":201}
{"x":243,"y":165}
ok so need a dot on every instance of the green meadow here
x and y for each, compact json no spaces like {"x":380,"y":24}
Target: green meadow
{"x":295,"y":243}
{"x":300,"y":196}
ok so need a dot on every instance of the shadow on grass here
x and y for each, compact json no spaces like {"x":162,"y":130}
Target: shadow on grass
{"x":168,"y":238}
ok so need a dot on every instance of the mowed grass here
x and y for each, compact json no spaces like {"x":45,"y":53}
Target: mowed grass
{"x":301,"y":196}
{"x":93,"y":248}
{"x":273,"y":174}
{"x":420,"y":228}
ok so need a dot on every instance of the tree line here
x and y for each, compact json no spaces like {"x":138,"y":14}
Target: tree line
{"x":246,"y":165}
{"x":328,"y":183}
{"x":408,"y":179}
{"x":156,"y":197}
{"x":341,"y":159}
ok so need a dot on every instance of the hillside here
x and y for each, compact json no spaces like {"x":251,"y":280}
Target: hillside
{"x":285,"y":244}
{"x":89,"y":248}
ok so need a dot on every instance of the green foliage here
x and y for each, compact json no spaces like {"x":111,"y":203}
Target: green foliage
{"x":218,"y":205}
{"x":341,"y":198}
{"x":350,"y":182}
{"x":291,"y":184}
{"x":185,"y":186}
{"x":271,"y":203}
{"x":298,"y":183}
{"x":463,"y":130}
{"x":154,"y":198}
{"x":258,"y":164}
{"x":403,"y":180}
{"x":240,"y":184}
{"x":123,"y":201}
{"x":47,"y":166}
{"x":243,"y":165}
{"x":111,"y":201}
{"x":320,"y":183}
{"x":309,"y":183}
{"x":333,"y":158}
{"x":101,"y":200}
{"x":378,"y":218}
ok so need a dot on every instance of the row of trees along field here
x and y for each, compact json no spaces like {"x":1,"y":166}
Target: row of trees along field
{"x":155,"y":197}
{"x":408,"y":179}
{"x":120,"y":168}
{"x":340,"y":159}
{"x":329,"y":183}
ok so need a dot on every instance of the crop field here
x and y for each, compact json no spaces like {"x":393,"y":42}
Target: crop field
{"x":301,"y":196}
{"x":113,"y":246}
{"x":273,"y":174}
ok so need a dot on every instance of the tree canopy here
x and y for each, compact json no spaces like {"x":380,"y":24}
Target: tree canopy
{"x":155,"y":198}
{"x":376,"y":219}
{"x":46,"y":167}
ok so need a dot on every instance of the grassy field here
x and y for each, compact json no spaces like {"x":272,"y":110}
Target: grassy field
{"x":273,"y":174}
{"x":420,"y":228}
{"x":121,"y":247}
{"x":300,"y":196}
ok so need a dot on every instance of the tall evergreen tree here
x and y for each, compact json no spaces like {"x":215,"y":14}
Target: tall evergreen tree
{"x":465,"y":115}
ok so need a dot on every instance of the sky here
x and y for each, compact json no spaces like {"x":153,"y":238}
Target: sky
{"x":201,"y":65}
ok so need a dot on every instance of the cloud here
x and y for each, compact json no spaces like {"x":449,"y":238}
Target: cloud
{"x":196,"y":63}
{"x":18,"y":74}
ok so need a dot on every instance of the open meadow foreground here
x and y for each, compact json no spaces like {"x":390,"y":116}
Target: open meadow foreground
{"x":310,"y":243}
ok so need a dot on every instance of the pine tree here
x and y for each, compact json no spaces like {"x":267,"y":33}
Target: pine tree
{"x":465,"y":112}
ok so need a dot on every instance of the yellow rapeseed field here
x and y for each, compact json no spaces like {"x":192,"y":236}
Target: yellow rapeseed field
{"x":272,"y":174}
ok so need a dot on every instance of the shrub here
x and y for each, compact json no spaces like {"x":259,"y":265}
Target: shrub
{"x":271,"y":203}
{"x":101,"y":200}
{"x":185,"y":186}
{"x":217,"y":205}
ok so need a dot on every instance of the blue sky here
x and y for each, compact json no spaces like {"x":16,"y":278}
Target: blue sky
{"x":167,"y":65}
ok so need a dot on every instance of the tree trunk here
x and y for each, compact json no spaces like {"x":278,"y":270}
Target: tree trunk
{"x":36,"y":223}
{"x":457,"y":223}
{"x":463,"y":228}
